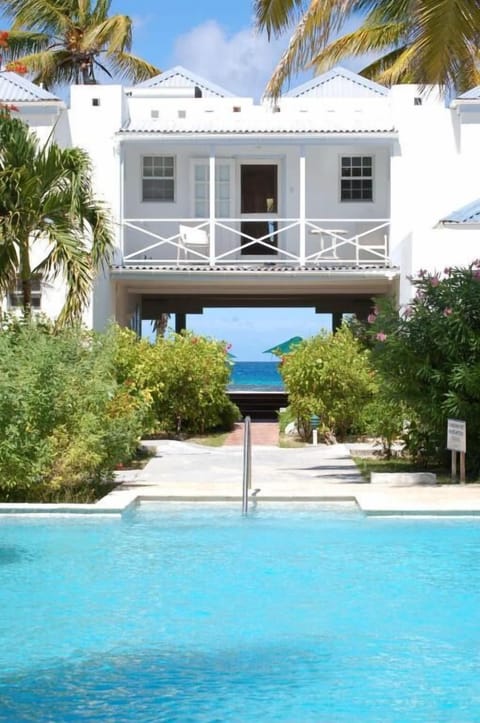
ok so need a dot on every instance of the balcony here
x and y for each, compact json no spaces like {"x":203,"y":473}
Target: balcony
{"x":248,"y":242}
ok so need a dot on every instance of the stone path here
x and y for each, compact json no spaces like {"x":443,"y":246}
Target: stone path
{"x":263,"y":433}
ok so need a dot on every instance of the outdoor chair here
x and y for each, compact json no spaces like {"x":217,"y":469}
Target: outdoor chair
{"x":189,"y":237}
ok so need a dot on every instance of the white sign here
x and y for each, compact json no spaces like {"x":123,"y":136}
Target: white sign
{"x":457,"y":435}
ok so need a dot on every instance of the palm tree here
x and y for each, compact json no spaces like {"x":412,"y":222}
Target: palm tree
{"x":418,"y":41}
{"x":67,"y":41}
{"x":51,"y":225}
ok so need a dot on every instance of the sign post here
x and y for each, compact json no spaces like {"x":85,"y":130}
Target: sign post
{"x":457,"y":442}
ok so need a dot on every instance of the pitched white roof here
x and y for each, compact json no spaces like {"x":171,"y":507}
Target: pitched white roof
{"x":15,"y":88}
{"x":339,"y":83}
{"x":472,"y":94}
{"x":179,"y":77}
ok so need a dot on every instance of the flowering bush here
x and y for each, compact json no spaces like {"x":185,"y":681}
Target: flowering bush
{"x":428,"y":355}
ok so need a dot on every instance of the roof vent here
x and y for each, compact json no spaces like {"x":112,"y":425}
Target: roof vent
{"x":154,"y":113}
{"x":198,"y":92}
{"x":182,"y":113}
{"x":237,"y":108}
{"x":417,"y":101}
{"x":96,"y":101}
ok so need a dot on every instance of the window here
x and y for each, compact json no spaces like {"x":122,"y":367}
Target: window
{"x":158,"y":178}
{"x":15,"y":297}
{"x":222,"y":190}
{"x":356,"y":179}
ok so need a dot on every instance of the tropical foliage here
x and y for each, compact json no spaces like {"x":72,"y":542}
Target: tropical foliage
{"x":330,"y":376}
{"x":74,"y":404}
{"x":65,"y":421}
{"x":51,"y":224}
{"x":428,"y":355}
{"x":416,"y":41}
{"x":69,"y":41}
{"x":186,"y":376}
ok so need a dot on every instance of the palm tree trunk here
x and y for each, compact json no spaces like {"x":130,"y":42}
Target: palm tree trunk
{"x":26,"y":278}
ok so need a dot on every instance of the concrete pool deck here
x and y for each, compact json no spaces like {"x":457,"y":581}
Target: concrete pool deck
{"x":182,"y":471}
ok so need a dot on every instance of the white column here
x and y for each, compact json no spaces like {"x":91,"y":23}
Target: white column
{"x":121,"y":200}
{"x":211,"y":191}
{"x":302,"y":206}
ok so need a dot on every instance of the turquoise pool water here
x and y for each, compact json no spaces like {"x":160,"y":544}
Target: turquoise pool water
{"x":181,"y":613}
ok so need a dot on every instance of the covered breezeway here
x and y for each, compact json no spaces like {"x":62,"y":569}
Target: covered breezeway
{"x":146,"y":293}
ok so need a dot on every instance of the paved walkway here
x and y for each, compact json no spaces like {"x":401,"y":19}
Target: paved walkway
{"x":186,"y":471}
{"x":263,"y":433}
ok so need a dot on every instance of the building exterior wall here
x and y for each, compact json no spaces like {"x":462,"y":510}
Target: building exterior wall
{"x":426,"y":167}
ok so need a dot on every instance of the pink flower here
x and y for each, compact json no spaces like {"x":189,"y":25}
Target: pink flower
{"x":407,"y":312}
{"x":447,"y":311}
{"x":371,"y":318}
{"x":434,"y":281}
{"x":228,"y":347}
{"x":476,"y":274}
{"x":422,"y":273}
{"x":381,"y":336}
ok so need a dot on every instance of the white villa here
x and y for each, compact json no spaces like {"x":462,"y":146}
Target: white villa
{"x":336,"y":194}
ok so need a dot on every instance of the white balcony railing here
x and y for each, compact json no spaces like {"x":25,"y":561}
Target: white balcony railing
{"x":291,"y":241}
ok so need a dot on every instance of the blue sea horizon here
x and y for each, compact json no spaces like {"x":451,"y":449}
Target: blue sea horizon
{"x":255,"y":375}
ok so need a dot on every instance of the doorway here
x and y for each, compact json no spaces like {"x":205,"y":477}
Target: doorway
{"x":259,"y":197}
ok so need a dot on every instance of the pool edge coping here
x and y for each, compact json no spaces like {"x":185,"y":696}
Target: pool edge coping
{"x":101,"y":508}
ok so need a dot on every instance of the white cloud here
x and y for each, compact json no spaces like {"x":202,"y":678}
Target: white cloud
{"x":241,"y":62}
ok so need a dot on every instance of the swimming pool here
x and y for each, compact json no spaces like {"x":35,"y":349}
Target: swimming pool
{"x":296,"y":613}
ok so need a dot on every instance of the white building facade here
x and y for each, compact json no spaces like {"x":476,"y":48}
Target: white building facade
{"x":337,"y":194}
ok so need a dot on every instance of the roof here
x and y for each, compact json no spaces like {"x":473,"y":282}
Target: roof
{"x":339,"y":83}
{"x":469,"y":214}
{"x":272,"y":268}
{"x":15,"y":88}
{"x":179,"y":77}
{"x":258,"y":120}
{"x":472,"y":94}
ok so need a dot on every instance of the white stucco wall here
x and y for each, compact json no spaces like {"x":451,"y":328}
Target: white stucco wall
{"x":429,"y":170}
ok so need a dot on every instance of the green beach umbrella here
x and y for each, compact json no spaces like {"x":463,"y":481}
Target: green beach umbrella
{"x":285,"y":347}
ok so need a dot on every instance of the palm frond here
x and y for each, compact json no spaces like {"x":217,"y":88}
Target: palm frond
{"x":22,"y":43}
{"x":276,"y":16}
{"x":366,"y":39}
{"x":132,"y":67}
{"x":39,"y":15}
{"x":114,"y":33}
{"x":311,"y":34}
{"x":376,"y":69}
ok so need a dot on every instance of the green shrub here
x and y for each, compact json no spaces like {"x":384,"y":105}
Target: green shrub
{"x":330,"y":376}
{"x":187,"y":376}
{"x":65,"y":421}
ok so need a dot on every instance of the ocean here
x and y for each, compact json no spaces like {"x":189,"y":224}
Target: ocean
{"x":255,"y":376}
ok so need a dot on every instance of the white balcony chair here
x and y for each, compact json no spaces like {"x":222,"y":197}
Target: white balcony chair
{"x":191,"y":238}
{"x":329,"y":237}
